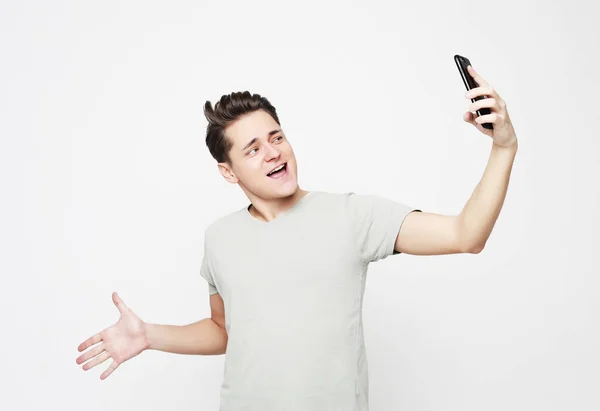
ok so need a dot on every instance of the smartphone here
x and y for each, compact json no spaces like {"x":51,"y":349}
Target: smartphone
{"x":462,"y":63}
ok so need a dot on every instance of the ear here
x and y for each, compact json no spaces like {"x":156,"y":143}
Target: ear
{"x":227,"y":173}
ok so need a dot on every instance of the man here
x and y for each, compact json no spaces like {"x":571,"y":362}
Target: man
{"x":286,"y":275}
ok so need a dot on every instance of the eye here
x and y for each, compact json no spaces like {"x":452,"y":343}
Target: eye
{"x":279,"y":137}
{"x":250,"y":152}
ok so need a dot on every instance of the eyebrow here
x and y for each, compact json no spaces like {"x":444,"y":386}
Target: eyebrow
{"x":255,"y":139}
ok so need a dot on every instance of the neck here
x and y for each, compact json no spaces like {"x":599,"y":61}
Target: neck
{"x":269,"y":209}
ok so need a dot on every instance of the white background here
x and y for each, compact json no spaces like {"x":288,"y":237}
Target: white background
{"x":107,"y":185}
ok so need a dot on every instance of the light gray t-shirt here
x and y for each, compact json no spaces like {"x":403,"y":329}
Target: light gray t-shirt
{"x":293,"y":293}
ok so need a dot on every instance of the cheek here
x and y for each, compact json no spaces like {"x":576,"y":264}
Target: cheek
{"x":248,"y":169}
{"x":254,"y":168}
{"x":292,"y":158}
{"x":286,"y":150}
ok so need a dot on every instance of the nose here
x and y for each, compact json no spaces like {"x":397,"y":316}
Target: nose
{"x":272,"y":152}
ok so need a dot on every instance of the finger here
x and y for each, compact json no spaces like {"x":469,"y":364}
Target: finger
{"x":499,"y":119}
{"x":98,"y":360}
{"x":113,"y":366}
{"x":90,"y":354}
{"x":481,"y":91}
{"x":95,"y":339}
{"x":470,"y":118}
{"x":488,"y":118}
{"x":119,"y":303}
{"x":491,"y":103}
{"x":477,"y":77}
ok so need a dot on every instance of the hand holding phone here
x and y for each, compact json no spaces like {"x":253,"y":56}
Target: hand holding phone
{"x":462,"y":63}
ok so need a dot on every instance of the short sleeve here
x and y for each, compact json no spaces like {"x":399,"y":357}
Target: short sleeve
{"x":207,"y":269}
{"x":375,"y":223}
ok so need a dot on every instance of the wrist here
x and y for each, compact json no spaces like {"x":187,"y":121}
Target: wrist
{"x":148,"y":336}
{"x":513,"y":144}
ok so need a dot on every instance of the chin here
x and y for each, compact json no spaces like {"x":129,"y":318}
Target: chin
{"x":287,"y":190}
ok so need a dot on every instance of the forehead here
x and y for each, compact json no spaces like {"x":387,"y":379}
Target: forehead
{"x":256,"y":124}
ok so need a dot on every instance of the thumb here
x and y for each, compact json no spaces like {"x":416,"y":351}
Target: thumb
{"x":469,"y":117}
{"x":119,"y":303}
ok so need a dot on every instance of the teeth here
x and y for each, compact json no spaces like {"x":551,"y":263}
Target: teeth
{"x":277,"y":169}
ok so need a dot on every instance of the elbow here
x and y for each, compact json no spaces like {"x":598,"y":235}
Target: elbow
{"x":467,"y":239}
{"x":471,"y":246}
{"x":468,"y":242}
{"x":225,"y":341}
{"x":475,"y":249}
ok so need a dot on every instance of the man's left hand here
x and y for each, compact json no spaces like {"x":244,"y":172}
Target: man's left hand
{"x":503,"y":133}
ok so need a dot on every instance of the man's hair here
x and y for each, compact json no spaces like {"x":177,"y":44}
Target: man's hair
{"x":228,"y":109}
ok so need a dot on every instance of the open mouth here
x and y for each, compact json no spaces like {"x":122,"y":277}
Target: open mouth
{"x":279,"y":172}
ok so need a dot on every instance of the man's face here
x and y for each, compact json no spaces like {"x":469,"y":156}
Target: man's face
{"x":259,"y":147}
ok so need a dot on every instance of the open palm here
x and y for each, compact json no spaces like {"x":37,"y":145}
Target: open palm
{"x":121,"y":341}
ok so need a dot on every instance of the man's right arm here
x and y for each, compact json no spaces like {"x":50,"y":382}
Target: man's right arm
{"x":204,"y":337}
